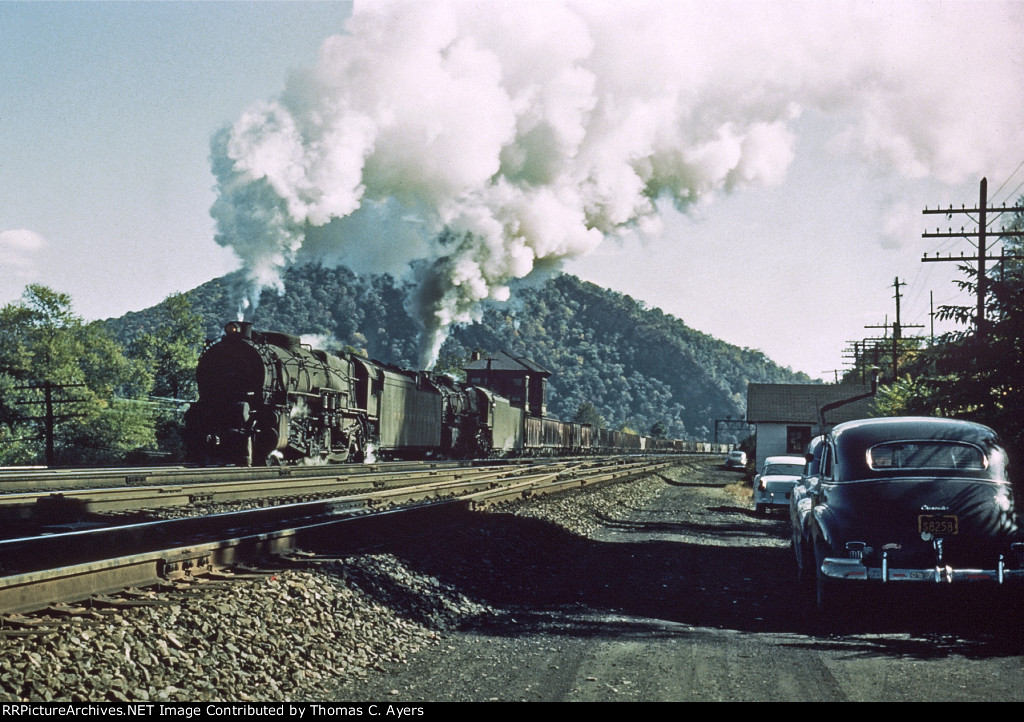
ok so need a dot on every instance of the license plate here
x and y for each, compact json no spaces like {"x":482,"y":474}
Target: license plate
{"x":938,"y":524}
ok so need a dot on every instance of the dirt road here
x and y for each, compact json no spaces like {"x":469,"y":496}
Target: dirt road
{"x":687,"y":596}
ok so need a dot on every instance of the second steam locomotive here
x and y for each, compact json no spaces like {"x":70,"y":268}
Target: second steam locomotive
{"x":266,"y":397}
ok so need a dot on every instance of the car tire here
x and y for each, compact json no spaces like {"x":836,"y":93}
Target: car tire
{"x":826,"y":589}
{"x":804,"y":561}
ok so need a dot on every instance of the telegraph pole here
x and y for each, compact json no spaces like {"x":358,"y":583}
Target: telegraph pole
{"x":49,"y":417}
{"x":877,"y":342}
{"x":982,"y":235}
{"x":897,"y":331}
{"x":931,"y":313}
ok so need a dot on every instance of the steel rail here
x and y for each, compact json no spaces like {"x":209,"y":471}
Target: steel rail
{"x":39,"y":571}
{"x":554,"y":483}
{"x":75,"y":504}
{"x":46,"y":479}
{"x":81,"y":502}
{"x":30,"y":591}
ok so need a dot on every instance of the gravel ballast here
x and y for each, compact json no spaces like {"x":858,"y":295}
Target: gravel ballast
{"x":296,"y":634}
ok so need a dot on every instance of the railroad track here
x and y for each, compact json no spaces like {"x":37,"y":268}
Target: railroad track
{"x":39,"y":571}
{"x":43,"y":479}
{"x":29,"y":513}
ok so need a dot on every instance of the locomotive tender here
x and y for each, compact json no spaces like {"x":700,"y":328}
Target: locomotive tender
{"x":266,"y":397}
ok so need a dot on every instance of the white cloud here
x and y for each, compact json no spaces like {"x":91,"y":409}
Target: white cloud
{"x":18,"y":258}
{"x":18,"y":248}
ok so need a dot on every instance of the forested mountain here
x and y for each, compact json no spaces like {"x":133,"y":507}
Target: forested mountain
{"x":637,"y":366}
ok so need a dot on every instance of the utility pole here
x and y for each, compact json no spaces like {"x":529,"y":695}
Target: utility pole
{"x":982,"y":235}
{"x":49,"y":418}
{"x":879,"y":341}
{"x":897,"y":329}
{"x":859,"y":349}
{"x":867,"y":353}
{"x":931,"y":313}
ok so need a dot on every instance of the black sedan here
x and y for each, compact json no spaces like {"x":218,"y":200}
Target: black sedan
{"x":903,"y":500}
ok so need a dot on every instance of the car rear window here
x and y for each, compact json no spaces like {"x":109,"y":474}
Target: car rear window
{"x":926,"y":455}
{"x":784,"y":470}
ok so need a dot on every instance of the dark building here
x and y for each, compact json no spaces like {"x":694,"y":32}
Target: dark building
{"x":521,"y":381}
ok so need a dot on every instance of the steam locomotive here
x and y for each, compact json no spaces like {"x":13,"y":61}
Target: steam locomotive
{"x":264,"y":397}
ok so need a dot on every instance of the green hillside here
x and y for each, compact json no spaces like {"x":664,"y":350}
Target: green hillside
{"x":637,"y":366}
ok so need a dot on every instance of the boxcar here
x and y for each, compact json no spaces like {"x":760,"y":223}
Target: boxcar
{"x":410,"y":414}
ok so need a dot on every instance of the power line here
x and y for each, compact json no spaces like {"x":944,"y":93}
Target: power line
{"x":1008,"y":180}
{"x":982,"y":235}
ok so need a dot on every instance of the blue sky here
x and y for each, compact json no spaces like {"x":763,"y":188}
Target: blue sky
{"x":107,"y":111}
{"x":106,"y":115}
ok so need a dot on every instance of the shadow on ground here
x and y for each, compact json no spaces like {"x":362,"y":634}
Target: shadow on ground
{"x":674,"y":576}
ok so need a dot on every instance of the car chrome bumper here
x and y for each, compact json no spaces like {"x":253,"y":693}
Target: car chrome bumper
{"x":855,"y":570}
{"x":771,"y":498}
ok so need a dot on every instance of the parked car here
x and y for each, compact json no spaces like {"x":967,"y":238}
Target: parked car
{"x":800,"y":506}
{"x":774,"y":483}
{"x":736,"y":460}
{"x":904,"y":500}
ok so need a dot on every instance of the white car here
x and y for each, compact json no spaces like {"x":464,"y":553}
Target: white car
{"x":736,"y":460}
{"x":774,"y":483}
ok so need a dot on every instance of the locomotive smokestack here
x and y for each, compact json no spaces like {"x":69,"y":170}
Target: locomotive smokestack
{"x":238,"y":329}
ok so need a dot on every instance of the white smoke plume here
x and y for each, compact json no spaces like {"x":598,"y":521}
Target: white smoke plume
{"x":478,"y":139}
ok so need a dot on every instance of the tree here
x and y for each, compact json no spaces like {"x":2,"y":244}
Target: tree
{"x":587,"y":413}
{"x":171,"y":353}
{"x":64,"y":380}
{"x":172,"y":350}
{"x":971,"y":375}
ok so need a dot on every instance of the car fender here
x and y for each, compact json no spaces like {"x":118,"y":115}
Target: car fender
{"x":802,"y":517}
{"x":824,"y":526}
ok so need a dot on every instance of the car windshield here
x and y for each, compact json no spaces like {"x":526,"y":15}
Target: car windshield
{"x":783,"y":470}
{"x":926,"y":455}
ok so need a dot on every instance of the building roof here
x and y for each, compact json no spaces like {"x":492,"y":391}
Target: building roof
{"x":501,"y":361}
{"x":800,"y":403}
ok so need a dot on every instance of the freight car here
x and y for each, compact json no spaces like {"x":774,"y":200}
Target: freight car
{"x":266,"y":397}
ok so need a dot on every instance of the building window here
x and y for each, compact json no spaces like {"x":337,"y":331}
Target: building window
{"x":797,"y":439}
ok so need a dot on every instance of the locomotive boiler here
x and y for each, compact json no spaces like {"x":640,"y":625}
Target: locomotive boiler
{"x":266,"y":397}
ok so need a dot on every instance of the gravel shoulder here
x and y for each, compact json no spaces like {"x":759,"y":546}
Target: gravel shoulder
{"x":665,"y":589}
{"x":671,"y":589}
